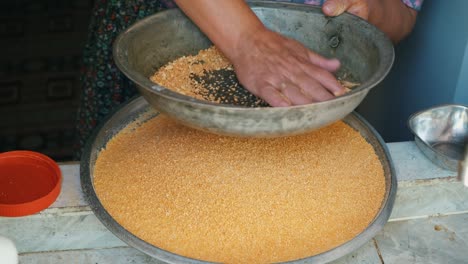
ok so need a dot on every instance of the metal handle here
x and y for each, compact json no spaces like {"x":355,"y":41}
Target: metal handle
{"x":463,"y":168}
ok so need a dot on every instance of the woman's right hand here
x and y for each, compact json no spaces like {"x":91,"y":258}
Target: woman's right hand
{"x":284,"y":72}
{"x":278,"y":69}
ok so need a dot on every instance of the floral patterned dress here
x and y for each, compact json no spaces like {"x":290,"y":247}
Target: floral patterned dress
{"x":104,"y":87}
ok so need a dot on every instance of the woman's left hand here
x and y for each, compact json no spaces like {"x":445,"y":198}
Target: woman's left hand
{"x":391,"y":16}
{"x":359,"y":8}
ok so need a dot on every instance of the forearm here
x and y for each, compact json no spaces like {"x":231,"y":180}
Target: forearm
{"x":392,"y":17}
{"x":225,"y":22}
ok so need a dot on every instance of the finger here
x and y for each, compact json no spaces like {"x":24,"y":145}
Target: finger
{"x":336,"y":7}
{"x":273,"y":97}
{"x":294,"y":94}
{"x":329,"y":82}
{"x":360,"y":9}
{"x":313,"y":89}
{"x":331,"y":65}
{"x":325,"y":78}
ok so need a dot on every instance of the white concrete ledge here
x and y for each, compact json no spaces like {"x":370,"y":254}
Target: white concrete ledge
{"x":69,"y":228}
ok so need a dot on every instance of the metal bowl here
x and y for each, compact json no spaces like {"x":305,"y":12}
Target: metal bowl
{"x":364,"y":51}
{"x":441,"y":133}
{"x":138,"y":111}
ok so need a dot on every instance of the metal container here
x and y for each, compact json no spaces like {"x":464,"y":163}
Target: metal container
{"x":463,"y":168}
{"x":364,"y":51}
{"x":139,"y":110}
{"x":441,"y":133}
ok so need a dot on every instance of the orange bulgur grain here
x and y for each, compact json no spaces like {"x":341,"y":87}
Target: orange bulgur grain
{"x":177,"y":75}
{"x":240,"y":200}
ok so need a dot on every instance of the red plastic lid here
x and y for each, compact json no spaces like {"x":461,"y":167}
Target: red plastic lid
{"x":29,"y":183}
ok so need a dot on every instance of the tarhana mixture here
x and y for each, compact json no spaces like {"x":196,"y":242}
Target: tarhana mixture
{"x":239,"y":200}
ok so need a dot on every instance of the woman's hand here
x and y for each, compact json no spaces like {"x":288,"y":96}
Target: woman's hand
{"x":282,"y":71}
{"x":359,"y":8}
{"x":391,"y":16}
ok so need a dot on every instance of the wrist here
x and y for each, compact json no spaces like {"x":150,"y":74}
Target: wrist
{"x":245,"y":42}
{"x":248,"y":43}
{"x":394,"y":18}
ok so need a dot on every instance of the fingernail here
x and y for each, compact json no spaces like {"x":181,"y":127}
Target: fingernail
{"x":341,"y":92}
{"x":328,"y":8}
{"x":336,"y":62}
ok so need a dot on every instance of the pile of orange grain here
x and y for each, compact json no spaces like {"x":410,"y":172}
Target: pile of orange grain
{"x":178,"y":74}
{"x":240,"y":200}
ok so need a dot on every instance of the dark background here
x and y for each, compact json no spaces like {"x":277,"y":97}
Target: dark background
{"x":41,"y":45}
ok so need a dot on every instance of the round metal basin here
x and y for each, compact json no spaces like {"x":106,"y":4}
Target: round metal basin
{"x":364,"y":51}
{"x":139,"y":110}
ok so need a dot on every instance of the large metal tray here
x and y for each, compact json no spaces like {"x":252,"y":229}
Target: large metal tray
{"x":138,"y":110}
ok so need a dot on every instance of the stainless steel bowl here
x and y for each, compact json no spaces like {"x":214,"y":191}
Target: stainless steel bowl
{"x":364,"y":51}
{"x":441,"y":133}
{"x":139,"y":111}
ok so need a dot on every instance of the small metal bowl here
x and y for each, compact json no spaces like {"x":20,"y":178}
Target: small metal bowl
{"x":365,"y":52}
{"x":441,"y":133}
